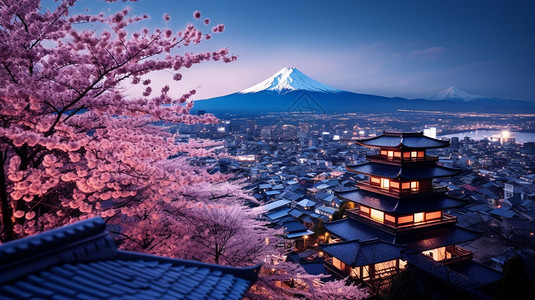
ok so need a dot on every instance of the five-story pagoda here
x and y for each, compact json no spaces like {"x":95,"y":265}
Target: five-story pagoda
{"x":397,"y":215}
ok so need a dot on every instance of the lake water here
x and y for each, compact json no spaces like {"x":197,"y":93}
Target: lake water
{"x":521,"y":137}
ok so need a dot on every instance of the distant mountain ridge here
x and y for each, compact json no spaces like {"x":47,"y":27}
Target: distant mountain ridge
{"x":289,"y":90}
{"x":453,"y":93}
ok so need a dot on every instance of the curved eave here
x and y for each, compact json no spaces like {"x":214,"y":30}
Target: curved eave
{"x":441,"y":237}
{"x":393,"y":205}
{"x":403,"y":172}
{"x":356,"y":253}
{"x":403,"y":140}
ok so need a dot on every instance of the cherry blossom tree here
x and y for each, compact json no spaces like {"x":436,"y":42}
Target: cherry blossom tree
{"x":73,"y":145}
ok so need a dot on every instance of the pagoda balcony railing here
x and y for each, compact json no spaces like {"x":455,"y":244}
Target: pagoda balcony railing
{"x":393,"y":228}
{"x":457,"y":254}
{"x":398,"y":160}
{"x":435,"y":189}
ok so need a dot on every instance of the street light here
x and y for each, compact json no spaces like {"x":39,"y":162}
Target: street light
{"x":305,"y":241}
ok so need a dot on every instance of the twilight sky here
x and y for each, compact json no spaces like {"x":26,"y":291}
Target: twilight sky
{"x":391,"y":48}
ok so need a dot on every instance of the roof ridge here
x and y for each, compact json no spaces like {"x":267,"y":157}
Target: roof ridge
{"x":82,"y":241}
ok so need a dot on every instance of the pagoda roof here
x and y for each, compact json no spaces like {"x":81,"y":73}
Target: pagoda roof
{"x":350,"y":230}
{"x":398,"y":140}
{"x":80,"y":261}
{"x":438,"y":237}
{"x":403,"y":172}
{"x":357,"y":253}
{"x":400,"y":206}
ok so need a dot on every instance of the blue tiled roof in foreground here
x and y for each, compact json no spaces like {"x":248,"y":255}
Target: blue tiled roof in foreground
{"x":80,"y":261}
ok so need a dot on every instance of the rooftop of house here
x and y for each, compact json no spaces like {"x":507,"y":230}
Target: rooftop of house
{"x":81,"y":261}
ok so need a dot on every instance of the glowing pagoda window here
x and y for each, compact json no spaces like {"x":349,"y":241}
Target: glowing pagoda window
{"x":406,"y":155}
{"x":384,"y":152}
{"x":405,"y":219}
{"x":433,"y":215}
{"x":405,"y":185}
{"x":385,"y":183}
{"x":390,"y":154}
{"x":390,"y":218}
{"x":394,"y":184}
{"x":414,"y":154}
{"x":397,"y":154}
{"x":377,"y":215}
{"x":418,"y":217}
{"x":421,"y":154}
{"x":375,"y":180}
{"x":415,"y":186}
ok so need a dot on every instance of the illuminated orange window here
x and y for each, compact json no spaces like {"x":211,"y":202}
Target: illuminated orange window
{"x":384,"y":152}
{"x":397,"y":154}
{"x":394,"y":184}
{"x":414,"y":154}
{"x":375,"y":180}
{"x":390,"y":218}
{"x":421,"y":154}
{"x":405,"y":185}
{"x":365,"y":209}
{"x":433,"y":215}
{"x":405,"y":219}
{"x":390,"y":154}
{"x":406,"y":154}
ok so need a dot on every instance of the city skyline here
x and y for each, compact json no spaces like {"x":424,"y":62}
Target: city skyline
{"x":411,"y":49}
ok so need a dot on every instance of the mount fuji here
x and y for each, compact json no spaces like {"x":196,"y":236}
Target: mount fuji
{"x":291,"y":91}
{"x":290,"y":79}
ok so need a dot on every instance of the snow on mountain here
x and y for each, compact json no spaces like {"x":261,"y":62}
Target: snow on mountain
{"x":290,"y":79}
{"x":453,"y":93}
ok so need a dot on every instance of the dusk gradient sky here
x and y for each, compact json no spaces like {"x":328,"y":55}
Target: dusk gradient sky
{"x":410,"y":49}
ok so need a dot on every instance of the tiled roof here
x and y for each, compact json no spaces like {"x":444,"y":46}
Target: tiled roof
{"x":448,"y":276}
{"x":413,"y":140}
{"x":435,"y":238}
{"x":349,"y":229}
{"x":274,"y":205}
{"x":80,"y":261}
{"x":400,"y":206}
{"x":293,"y":226}
{"x":275,"y":215}
{"x":357,"y":253}
{"x":403,"y":172}
{"x":306,"y":203}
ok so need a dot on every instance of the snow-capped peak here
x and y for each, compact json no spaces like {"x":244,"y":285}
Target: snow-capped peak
{"x":290,"y":79}
{"x":453,"y":93}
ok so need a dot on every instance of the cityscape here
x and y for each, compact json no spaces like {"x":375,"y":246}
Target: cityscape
{"x":344,"y":150}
